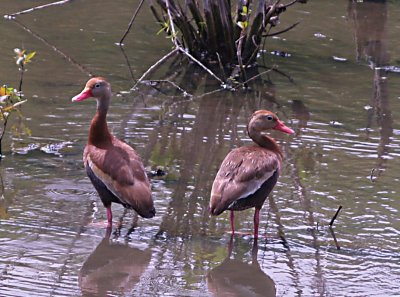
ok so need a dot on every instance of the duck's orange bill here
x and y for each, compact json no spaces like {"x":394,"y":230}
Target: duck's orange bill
{"x":86,"y":93}
{"x":281,"y":127}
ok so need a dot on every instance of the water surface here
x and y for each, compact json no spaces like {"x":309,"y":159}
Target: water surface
{"x":339,"y":99}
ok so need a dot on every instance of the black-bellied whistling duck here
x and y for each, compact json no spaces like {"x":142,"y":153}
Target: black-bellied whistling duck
{"x":248,"y":174}
{"x":114,"y":167}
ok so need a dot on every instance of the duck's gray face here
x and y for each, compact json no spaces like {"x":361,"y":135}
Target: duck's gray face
{"x":263,"y":120}
{"x":96,"y":87}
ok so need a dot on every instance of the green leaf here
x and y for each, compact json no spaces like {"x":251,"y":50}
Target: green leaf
{"x":29,"y":57}
{"x":243,"y":25}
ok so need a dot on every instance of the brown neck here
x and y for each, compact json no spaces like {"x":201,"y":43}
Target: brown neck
{"x":264,"y":141}
{"x":98,"y":132}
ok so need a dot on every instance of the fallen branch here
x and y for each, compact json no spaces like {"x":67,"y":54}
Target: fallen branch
{"x":154,"y":66}
{"x":131,"y":23}
{"x":182,"y":50}
{"x":171,"y":22}
{"x":210,"y":93}
{"x":127,"y":63}
{"x":282,"y":31}
{"x":374,"y":177}
{"x":193,"y":98}
{"x":158,"y":81}
{"x":371,"y":177}
{"x":5,"y":117}
{"x":65,"y":56}
{"x":290,"y":79}
{"x":256,"y":76}
{"x":239,"y":56}
{"x":334,"y":238}
{"x":13,"y":15}
{"x":293,"y":2}
{"x":335,"y":216}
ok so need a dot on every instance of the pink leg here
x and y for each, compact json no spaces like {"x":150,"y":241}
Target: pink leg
{"x":109,"y":216}
{"x":233,"y":222}
{"x":256,"y":222}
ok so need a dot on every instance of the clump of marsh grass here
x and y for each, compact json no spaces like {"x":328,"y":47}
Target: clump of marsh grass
{"x":219,"y":35}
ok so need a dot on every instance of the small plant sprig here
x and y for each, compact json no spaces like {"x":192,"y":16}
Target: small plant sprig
{"x":11,"y":98}
{"x":23,"y":57}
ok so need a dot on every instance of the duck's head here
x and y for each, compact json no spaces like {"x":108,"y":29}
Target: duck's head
{"x":97,"y":87}
{"x":263,"y":120}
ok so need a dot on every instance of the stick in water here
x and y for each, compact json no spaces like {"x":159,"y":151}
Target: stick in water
{"x":335,"y":216}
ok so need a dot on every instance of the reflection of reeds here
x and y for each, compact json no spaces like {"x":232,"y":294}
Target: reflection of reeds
{"x":371,"y":40}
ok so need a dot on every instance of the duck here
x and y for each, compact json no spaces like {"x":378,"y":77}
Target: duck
{"x":248,"y":174}
{"x":114,"y":168}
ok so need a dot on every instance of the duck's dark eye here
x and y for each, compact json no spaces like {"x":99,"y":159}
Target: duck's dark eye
{"x":97,"y":85}
{"x":270,"y":117}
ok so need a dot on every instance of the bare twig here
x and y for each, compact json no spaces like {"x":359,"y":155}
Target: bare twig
{"x":239,"y":55}
{"x":21,"y":78}
{"x":294,"y":2}
{"x":335,"y":216}
{"x":282,"y":31}
{"x":185,"y":93}
{"x":171,"y":22}
{"x":13,"y":15}
{"x":210,"y":93}
{"x":182,"y":50}
{"x":154,"y":66}
{"x":127,"y":63}
{"x":255,"y":76}
{"x":334,"y":238}
{"x":373,"y":177}
{"x":2,"y":185}
{"x":192,"y":98}
{"x":5,"y":117}
{"x":221,"y":67}
{"x":279,"y":72}
{"x":58,"y":51}
{"x":131,"y":23}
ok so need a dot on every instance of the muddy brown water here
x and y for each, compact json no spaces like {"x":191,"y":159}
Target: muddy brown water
{"x":340,"y":99}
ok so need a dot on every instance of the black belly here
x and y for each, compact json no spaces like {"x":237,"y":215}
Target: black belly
{"x":257,"y":198}
{"x":106,"y":196}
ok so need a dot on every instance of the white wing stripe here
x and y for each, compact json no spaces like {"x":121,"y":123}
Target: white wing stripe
{"x":105,"y":178}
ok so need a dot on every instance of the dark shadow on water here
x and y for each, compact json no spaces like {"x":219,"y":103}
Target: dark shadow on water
{"x":112,"y":267}
{"x":234,"y":277}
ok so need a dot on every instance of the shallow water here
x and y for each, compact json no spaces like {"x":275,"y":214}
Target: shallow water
{"x":345,"y":152}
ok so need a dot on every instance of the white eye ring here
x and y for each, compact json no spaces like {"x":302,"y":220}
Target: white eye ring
{"x":269,"y":117}
{"x":97,"y":85}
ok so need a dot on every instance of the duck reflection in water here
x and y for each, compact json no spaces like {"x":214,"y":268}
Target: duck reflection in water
{"x":234,"y":278}
{"x":112,"y":268}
